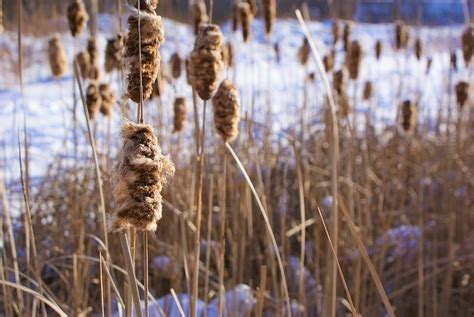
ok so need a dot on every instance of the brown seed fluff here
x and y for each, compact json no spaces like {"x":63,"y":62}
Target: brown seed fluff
{"x":354,"y":58}
{"x":139,"y":177}
{"x":303,"y":52}
{"x":93,"y":99}
{"x":205,"y":61}
{"x":454,"y":60}
{"x":367,"y":93}
{"x":339,"y":80}
{"x":335,"y":31}
{"x":346,"y":35}
{"x":199,"y":14}
{"x":467,"y":44}
{"x":226,"y":106}
{"x":77,"y":17}
{"x":179,"y":118}
{"x":378,"y":49}
{"x":418,"y":48}
{"x":462,"y":93}
{"x":408,"y":117}
{"x":246,"y":17}
{"x":152,"y":36}
{"x":57,"y":56}
{"x":114,"y":53}
{"x":401,"y":35}
{"x":83,"y":60}
{"x":269,"y":14}
{"x":328,"y":62}
{"x":108,"y":99}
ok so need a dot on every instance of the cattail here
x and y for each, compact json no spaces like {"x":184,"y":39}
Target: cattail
{"x":246,"y":18}
{"x":77,"y":17}
{"x":354,"y":58}
{"x":343,"y":103}
{"x":269,"y":14}
{"x":226,"y":106}
{"x":140,"y":175}
{"x":339,"y":80}
{"x":152,"y":36}
{"x":335,"y":31}
{"x":252,"y":5}
{"x":199,"y":14}
{"x":93,"y":99}
{"x":462,"y":93}
{"x":235,"y":16}
{"x":179,"y":118}
{"x":418,"y":48}
{"x":303,"y":52}
{"x":408,"y":117}
{"x":83,"y":60}
{"x":276,"y":48}
{"x":108,"y":99}
{"x":378,"y":49}
{"x":114,"y":53}
{"x":328,"y":62}
{"x":57,"y":56}
{"x":205,"y":62}
{"x":467,"y":44}
{"x":228,"y":54}
{"x":401,"y":35}
{"x":94,"y":58}
{"x":454,"y":60}
{"x":429,"y":62}
{"x":312,"y":76}
{"x":161,"y":81}
{"x":175,"y":64}
{"x":346,"y":35}
{"x":367,"y":93}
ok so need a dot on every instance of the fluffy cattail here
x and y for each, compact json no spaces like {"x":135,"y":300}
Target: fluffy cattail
{"x":401,"y":35}
{"x":77,"y":17}
{"x":408,"y":117}
{"x":228,"y":54}
{"x":235,"y":16}
{"x":328,"y":62}
{"x":246,"y":18}
{"x":140,"y":175}
{"x":205,"y":62}
{"x":354,"y":58}
{"x":378,"y":49}
{"x":199,"y":14}
{"x":418,"y":48}
{"x":467,"y":44}
{"x":175,"y":64}
{"x":94,"y":58}
{"x":303,"y":52}
{"x":339,"y":80}
{"x":367,"y":93}
{"x":226,"y":106}
{"x":462,"y":93}
{"x":179,"y":118}
{"x":83,"y":60}
{"x":429,"y":62}
{"x":276,"y":48}
{"x":346,"y":35}
{"x":113,"y":53}
{"x":335,"y":31}
{"x":93,"y":99}
{"x":108,"y":99}
{"x":152,"y":36}
{"x":269,"y":14}
{"x":57,"y":56}
{"x":454,"y":60}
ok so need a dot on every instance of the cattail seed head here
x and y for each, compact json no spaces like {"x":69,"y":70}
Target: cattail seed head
{"x":235,"y":16}
{"x":462,"y":93}
{"x":328,"y":62}
{"x":77,"y":17}
{"x":467,"y":44}
{"x":205,"y":62}
{"x":343,"y":103}
{"x":346,"y":35}
{"x":454,"y":60}
{"x":93,"y":58}
{"x":57,"y":56}
{"x":378,"y":49}
{"x":353,"y":59}
{"x":367,"y":93}
{"x":246,"y":18}
{"x":303,"y":52}
{"x":140,"y":175}
{"x":83,"y":60}
{"x":418,"y":48}
{"x":152,"y":36}
{"x":408,"y":117}
{"x":199,"y":14}
{"x":179,"y":118}
{"x":339,"y":80}
{"x":114,"y":53}
{"x":226,"y":107}
{"x":175,"y":64}
{"x":159,"y":85}
{"x":335,"y":31}
{"x":401,"y":35}
{"x":269,"y":14}
{"x":108,"y":99}
{"x":228,"y":54}
{"x":93,"y":99}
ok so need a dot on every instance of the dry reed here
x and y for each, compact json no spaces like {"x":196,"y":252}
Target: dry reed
{"x":57,"y":56}
{"x":226,"y":107}
{"x":179,"y":117}
{"x":77,"y":17}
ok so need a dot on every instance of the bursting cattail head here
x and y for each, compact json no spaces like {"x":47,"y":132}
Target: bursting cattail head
{"x":408,"y":116}
{"x":429,"y":62}
{"x":175,"y":64}
{"x":453,"y":59}
{"x":57,"y":56}
{"x":462,"y":93}
{"x":226,"y":107}
{"x":335,"y":31}
{"x":378,"y":49}
{"x":199,"y":14}
{"x":467,"y":44}
{"x":418,"y":48}
{"x":269,"y":14}
{"x":77,"y":17}
{"x":346,"y":35}
{"x":235,"y":16}
{"x":179,"y":118}
{"x":205,"y":61}
{"x":152,"y":36}
{"x":114,"y":53}
{"x":246,"y":18}
{"x":140,"y":175}
{"x":93,"y":99}
{"x":328,"y":62}
{"x":83,"y":60}
{"x":367,"y":93}
{"x":108,"y":99}
{"x":339,"y":80}
{"x":303,"y":52}
{"x":353,"y":59}
{"x":401,"y":35}
{"x":228,"y":54}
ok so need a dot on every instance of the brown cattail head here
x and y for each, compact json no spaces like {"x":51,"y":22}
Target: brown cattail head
{"x":152,"y":36}
{"x":228,"y":54}
{"x":94,"y":58}
{"x":179,"y":118}
{"x":346,"y":35}
{"x":140,"y":175}
{"x":147,"y":5}
{"x":408,"y":117}
{"x":269,"y":14}
{"x":246,"y":17}
{"x":353,"y":59}
{"x":77,"y":17}
{"x":108,"y":99}
{"x":83,"y":60}
{"x":429,"y":62}
{"x":328,"y":62}
{"x":114,"y":53}
{"x":235,"y":16}
{"x":303,"y":52}
{"x":401,"y":35}
{"x":418,"y":48}
{"x":175,"y":64}
{"x":467,"y":44}
{"x":205,"y":61}
{"x":57,"y":56}
{"x":343,"y":103}
{"x":93,"y":99}
{"x":378,"y":49}
{"x":159,"y":85}
{"x":339,"y":80}
{"x":199,"y":14}
{"x":462,"y":93}
{"x":367,"y":94}
{"x":226,"y":106}
{"x":335,"y":31}
{"x":454,"y":60}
